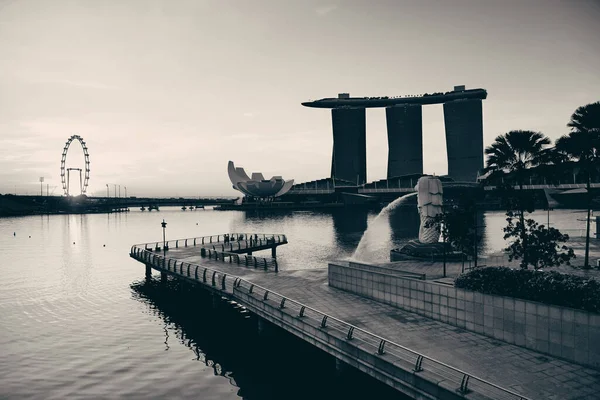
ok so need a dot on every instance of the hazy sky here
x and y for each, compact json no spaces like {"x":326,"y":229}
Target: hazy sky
{"x":165,"y":92}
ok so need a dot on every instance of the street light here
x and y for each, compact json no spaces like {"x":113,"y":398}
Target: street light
{"x":164,"y":226}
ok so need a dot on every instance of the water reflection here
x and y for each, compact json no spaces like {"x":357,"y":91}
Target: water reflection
{"x":349,"y":226}
{"x":404,"y":223}
{"x":274,"y":365}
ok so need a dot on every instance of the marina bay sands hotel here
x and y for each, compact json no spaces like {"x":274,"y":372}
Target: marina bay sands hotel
{"x":463,"y":119}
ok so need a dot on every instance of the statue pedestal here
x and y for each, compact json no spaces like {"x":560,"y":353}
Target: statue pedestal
{"x":425,"y":251}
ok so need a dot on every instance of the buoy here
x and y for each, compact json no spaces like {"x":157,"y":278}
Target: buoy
{"x":29,"y":236}
{"x":103,"y":245}
{"x":15,"y":233}
{"x":73,"y":242}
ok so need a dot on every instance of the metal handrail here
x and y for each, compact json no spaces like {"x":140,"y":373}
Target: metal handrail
{"x":214,"y":239}
{"x":384,"y":346}
{"x":225,"y":256}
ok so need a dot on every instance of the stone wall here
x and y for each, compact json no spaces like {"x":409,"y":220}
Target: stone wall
{"x":558,"y":331}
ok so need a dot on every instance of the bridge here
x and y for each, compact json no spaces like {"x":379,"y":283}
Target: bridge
{"x":154,"y":203}
{"x":373,"y":188}
{"x":420,"y":357}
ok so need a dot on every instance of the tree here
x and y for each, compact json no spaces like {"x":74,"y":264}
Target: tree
{"x":542,"y":250}
{"x":458,"y":229}
{"x":515,"y":152}
{"x":582,"y":145}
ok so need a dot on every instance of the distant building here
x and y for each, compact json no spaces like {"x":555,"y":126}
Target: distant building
{"x":405,"y":140}
{"x":463,"y":118}
{"x":349,"y":159}
{"x":464,"y":138}
{"x":257,"y":185}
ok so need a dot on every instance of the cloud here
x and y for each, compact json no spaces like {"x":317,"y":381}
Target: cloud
{"x":325,"y":9}
{"x":248,"y":114}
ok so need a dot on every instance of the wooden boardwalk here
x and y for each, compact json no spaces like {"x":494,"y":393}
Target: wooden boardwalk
{"x":419,"y":356}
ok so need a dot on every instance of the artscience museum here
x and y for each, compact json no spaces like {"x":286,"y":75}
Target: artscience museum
{"x":257,"y":185}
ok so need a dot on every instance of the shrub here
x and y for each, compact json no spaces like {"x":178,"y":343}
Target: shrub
{"x":548,"y":287}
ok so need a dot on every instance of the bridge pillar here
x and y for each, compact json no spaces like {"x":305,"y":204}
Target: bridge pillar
{"x":216,"y":301}
{"x":163,"y":277}
{"x":261,"y":326}
{"x":274,"y":252}
{"x":340,"y":367}
{"x":148,"y":271}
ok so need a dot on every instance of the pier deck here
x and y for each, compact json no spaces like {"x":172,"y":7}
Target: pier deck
{"x":526,"y":372}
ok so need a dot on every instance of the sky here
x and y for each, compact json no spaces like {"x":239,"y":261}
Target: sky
{"x":166,"y":92}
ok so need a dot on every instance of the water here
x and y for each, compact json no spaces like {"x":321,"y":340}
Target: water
{"x":77,"y":319}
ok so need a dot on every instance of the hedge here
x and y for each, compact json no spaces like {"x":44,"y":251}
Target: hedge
{"x":548,"y":287}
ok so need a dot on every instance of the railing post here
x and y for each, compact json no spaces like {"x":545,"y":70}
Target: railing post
{"x":276,"y":265}
{"x":223,"y":282}
{"x":204,"y":275}
{"x":324,"y":321}
{"x":381,"y":350}
{"x":196,"y":272}
{"x":350,"y":333}
{"x":188,"y":270}
{"x":464,"y":385}
{"x":418,"y":363}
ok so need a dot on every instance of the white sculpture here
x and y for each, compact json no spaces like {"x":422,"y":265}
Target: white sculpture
{"x":429,"y":203}
{"x":257,"y":186}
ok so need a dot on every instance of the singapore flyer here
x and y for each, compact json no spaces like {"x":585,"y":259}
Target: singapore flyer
{"x":65,"y":173}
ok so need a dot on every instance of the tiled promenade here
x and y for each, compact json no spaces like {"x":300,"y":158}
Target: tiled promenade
{"x":525,"y":371}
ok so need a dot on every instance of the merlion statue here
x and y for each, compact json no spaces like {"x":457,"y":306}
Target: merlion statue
{"x":429,"y":203}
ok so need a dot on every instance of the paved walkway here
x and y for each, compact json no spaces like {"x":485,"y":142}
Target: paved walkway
{"x":434,"y":269}
{"x":525,"y":371}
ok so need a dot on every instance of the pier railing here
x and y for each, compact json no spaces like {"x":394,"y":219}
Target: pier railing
{"x":266,"y":263}
{"x":225,"y":241}
{"x":451,"y":378}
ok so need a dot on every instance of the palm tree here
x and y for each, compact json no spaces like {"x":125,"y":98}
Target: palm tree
{"x":515,"y":152}
{"x":582,"y":145}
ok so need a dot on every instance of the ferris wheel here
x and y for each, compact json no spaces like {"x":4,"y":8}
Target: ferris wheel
{"x":65,"y":173}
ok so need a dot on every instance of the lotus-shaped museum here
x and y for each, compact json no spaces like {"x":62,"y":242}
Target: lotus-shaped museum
{"x":257,"y":186}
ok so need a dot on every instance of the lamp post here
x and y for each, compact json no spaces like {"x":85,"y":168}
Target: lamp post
{"x":164,"y":226}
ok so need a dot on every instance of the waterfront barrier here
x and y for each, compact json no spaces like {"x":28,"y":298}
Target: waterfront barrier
{"x":409,"y":371}
{"x":231,"y":241}
{"x":558,"y":331}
